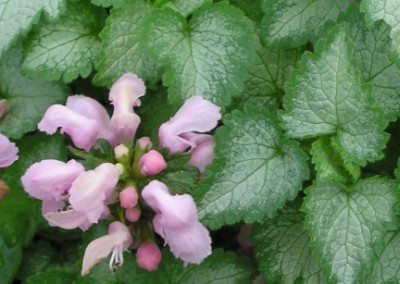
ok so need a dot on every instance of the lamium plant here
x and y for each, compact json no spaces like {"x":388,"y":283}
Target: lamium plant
{"x":199,"y":141}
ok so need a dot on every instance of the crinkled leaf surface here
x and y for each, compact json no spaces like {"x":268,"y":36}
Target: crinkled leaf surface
{"x":27,"y":99}
{"x":66,"y":47}
{"x":10,"y":258}
{"x":386,"y":269}
{"x":108,"y":3}
{"x":17,"y":16}
{"x":387,"y":10}
{"x":291,"y":23}
{"x":325,"y":96}
{"x":256,"y":170}
{"x":53,"y":276}
{"x":120,"y":50}
{"x":348,"y":225}
{"x":372,"y":45}
{"x":208,"y":56}
{"x":283,"y":251}
{"x":186,"y":7}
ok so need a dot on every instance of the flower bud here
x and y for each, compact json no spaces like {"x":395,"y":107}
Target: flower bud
{"x":145,"y":143}
{"x":3,"y":107}
{"x":120,"y":151}
{"x":148,"y":256}
{"x":132,"y":214}
{"x":128,"y":197}
{"x":152,"y":163}
{"x":3,"y":189}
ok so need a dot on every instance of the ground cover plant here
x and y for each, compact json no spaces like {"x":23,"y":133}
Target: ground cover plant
{"x":199,"y":141}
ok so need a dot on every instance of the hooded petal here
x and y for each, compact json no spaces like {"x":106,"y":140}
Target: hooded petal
{"x":8,"y":152}
{"x":124,"y":96}
{"x":174,"y":211}
{"x":82,"y":130}
{"x":118,"y":240}
{"x":91,"y":189}
{"x":94,"y":110}
{"x":69,"y":219}
{"x":203,"y":153}
{"x":192,"y":245}
{"x":51,"y":178}
{"x":196,"y":115}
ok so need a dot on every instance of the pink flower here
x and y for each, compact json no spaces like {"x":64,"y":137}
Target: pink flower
{"x":116,"y":241}
{"x":152,"y":163}
{"x":132,"y":214}
{"x":128,"y":197}
{"x":196,"y":116}
{"x":177,"y":222}
{"x":90,"y":191}
{"x":8,"y":152}
{"x":88,"y":197}
{"x":124,"y":96}
{"x":203,"y":152}
{"x":148,"y":256}
{"x":83,"y":119}
{"x":49,"y":179}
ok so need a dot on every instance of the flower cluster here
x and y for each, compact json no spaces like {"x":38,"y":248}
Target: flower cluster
{"x":77,"y":197}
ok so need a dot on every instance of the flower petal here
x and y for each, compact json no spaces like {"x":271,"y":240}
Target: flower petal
{"x":8,"y":152}
{"x":69,"y":219}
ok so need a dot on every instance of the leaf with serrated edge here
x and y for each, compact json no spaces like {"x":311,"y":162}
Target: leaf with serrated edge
{"x":186,"y":7}
{"x":206,"y":57}
{"x":291,"y":23}
{"x":348,"y":225}
{"x":18,"y":16}
{"x":256,"y":170}
{"x":120,"y":50}
{"x":66,"y":47}
{"x":324,"y":96}
{"x":283,"y":252}
{"x":386,"y":269}
{"x":372,"y":45}
{"x":387,"y":10}
{"x":27,"y":99}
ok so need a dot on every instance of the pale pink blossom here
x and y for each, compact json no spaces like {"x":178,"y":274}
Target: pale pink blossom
{"x":148,"y":256}
{"x":177,"y":222}
{"x":49,"y":179}
{"x":197,"y":115}
{"x":132,"y":214}
{"x":67,"y":219}
{"x":203,"y":152}
{"x":152,"y":163}
{"x":90,"y":191}
{"x":84,"y":119}
{"x":8,"y":152}
{"x":128,"y":197}
{"x":115,"y":242}
{"x":120,"y":151}
{"x":145,"y":143}
{"x":124,"y":96}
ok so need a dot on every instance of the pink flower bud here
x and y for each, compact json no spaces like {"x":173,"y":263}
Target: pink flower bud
{"x":3,"y":107}
{"x":152,"y":163}
{"x":132,"y":214}
{"x":145,"y":143}
{"x":148,"y":256}
{"x":128,"y":197}
{"x":120,"y":151}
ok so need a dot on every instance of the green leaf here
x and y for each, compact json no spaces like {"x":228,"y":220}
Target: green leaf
{"x":27,"y":99}
{"x":208,"y":56}
{"x":268,"y":75}
{"x":325,"y":96}
{"x":386,"y":269}
{"x":256,"y":170}
{"x":65,"y":47}
{"x":331,"y":163}
{"x":348,"y":225}
{"x":10,"y":258}
{"x":120,"y":50}
{"x":283,"y":251}
{"x":291,"y":23}
{"x":186,"y":7}
{"x":54,"y":276}
{"x":17,"y":17}
{"x":387,"y":10}
{"x":372,"y":46}
{"x":19,"y":213}
{"x":252,"y":9}
{"x":38,"y":257}
{"x":108,"y":3}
